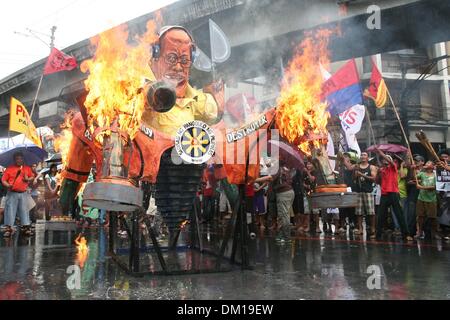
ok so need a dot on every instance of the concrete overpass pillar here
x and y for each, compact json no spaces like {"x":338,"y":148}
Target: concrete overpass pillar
{"x":441,"y":50}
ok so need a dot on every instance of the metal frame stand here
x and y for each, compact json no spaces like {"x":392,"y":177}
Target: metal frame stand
{"x":237,"y":228}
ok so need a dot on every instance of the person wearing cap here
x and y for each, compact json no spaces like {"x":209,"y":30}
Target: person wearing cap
{"x":172,"y":62}
{"x":16,"y":179}
{"x":390,"y":196}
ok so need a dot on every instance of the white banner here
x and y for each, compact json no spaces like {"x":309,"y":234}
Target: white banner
{"x":351,"y":122}
{"x":353,"y":143}
{"x":352,"y":119}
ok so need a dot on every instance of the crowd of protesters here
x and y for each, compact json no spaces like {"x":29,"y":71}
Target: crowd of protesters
{"x":395,"y":197}
{"x":24,"y":192}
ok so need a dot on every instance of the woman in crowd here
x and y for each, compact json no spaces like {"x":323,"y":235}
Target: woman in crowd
{"x":52,"y":186}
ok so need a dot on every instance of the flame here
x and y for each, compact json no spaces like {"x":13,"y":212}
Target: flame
{"x":82,"y":249}
{"x":116,"y":78}
{"x":184,"y":223}
{"x":62,"y":141}
{"x":301,"y":116}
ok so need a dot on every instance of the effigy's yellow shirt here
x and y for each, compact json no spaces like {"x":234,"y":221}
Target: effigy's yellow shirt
{"x":196,"y":105}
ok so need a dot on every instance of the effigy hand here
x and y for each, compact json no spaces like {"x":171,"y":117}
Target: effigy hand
{"x":217,"y":90}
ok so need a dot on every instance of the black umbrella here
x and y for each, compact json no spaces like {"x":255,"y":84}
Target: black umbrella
{"x":32,"y":154}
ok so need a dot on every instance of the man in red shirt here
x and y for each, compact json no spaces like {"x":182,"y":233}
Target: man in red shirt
{"x":390,"y":196}
{"x":16,"y":179}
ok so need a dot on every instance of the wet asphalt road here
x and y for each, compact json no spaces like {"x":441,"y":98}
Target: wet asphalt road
{"x":317,"y":267}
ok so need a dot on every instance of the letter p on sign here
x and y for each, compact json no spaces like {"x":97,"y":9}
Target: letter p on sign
{"x":19,"y":109}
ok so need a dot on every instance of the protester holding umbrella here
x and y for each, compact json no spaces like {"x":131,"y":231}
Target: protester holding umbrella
{"x":16,"y":179}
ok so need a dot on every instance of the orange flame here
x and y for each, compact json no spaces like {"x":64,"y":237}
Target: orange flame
{"x":301,"y":116}
{"x":83,"y":250}
{"x":62,"y":141}
{"x":116,"y":77}
{"x":184,"y":223}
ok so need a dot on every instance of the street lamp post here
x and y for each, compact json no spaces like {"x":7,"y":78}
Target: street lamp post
{"x":52,"y":44}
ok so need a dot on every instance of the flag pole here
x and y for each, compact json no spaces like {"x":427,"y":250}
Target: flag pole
{"x":403,"y":132}
{"x":52,"y":45}
{"x":36,"y":96}
{"x":34,"y":102}
{"x":370,"y":126}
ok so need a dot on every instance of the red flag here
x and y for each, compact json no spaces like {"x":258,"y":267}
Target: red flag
{"x":59,"y":61}
{"x":377,"y":88}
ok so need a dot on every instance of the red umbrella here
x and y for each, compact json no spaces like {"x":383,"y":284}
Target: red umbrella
{"x":394,"y":148}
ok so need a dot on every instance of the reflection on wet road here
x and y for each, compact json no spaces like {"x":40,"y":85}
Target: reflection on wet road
{"x":307,"y":268}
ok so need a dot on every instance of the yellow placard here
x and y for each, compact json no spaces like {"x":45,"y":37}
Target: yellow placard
{"x":19,"y":121}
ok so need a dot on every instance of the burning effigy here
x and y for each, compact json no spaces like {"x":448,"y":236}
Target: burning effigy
{"x":137,"y":96}
{"x":302,"y":115}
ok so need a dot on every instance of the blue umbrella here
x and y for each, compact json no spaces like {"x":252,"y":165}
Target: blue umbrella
{"x":32,"y":154}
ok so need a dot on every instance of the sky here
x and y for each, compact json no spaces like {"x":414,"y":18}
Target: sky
{"x":75,"y":20}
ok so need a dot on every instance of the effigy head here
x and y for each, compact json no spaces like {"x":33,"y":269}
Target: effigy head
{"x":173,"y":57}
